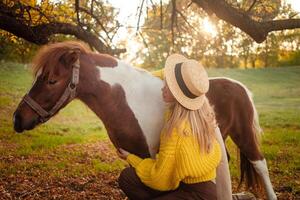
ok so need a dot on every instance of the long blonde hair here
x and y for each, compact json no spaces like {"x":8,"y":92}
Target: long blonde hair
{"x":202,"y":123}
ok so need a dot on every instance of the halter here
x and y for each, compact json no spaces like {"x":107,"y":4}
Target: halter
{"x":70,"y":92}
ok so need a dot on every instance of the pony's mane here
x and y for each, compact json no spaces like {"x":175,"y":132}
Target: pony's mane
{"x":48,"y":56}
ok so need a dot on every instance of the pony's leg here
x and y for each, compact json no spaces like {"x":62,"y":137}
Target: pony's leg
{"x":262,"y":169}
{"x":253,"y":162}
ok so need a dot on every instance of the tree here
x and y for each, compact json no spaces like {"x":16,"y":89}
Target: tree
{"x":244,"y":19}
{"x":16,"y":49}
{"x":91,"y":21}
{"x":231,"y":47}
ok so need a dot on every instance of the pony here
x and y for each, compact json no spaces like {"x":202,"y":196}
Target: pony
{"x":128,"y":101}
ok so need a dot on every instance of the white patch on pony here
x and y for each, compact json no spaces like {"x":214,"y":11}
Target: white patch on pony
{"x":256,"y":127}
{"x":143,"y":95}
{"x":261,"y":168}
{"x":39,"y":72}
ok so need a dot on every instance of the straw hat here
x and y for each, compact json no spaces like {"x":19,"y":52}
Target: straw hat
{"x":187,"y":81}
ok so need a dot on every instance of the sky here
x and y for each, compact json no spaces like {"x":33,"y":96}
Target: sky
{"x":295,"y":4}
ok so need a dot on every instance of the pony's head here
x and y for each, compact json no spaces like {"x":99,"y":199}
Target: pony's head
{"x":56,"y":73}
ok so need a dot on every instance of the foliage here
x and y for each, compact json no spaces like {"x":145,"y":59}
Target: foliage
{"x":95,"y":17}
{"x":15,"y":49}
{"x":261,"y":10}
{"x":227,"y":46}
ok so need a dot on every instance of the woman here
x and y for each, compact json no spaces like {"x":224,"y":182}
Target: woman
{"x":189,"y":153}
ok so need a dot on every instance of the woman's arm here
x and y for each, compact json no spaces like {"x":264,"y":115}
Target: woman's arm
{"x":159,"y":173}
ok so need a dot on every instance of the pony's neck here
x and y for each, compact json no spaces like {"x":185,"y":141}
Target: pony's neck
{"x":128,"y":102}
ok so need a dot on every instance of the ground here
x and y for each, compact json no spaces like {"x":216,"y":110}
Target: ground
{"x":33,"y":182}
{"x":71,"y":157}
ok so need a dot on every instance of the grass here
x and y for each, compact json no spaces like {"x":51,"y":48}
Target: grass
{"x":75,"y":143}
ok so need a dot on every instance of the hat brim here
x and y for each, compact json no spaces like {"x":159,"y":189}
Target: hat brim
{"x":189,"y":103}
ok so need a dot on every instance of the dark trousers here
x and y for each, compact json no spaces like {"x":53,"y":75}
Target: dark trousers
{"x":132,"y":186}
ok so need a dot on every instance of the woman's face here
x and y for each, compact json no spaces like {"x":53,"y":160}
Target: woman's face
{"x":166,"y":94}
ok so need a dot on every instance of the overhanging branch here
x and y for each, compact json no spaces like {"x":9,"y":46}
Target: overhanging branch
{"x":40,"y":34}
{"x":256,"y":30}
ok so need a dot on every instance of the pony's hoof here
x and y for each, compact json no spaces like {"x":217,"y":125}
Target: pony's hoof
{"x":243,"y":196}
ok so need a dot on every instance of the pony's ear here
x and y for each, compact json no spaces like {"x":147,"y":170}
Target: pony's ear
{"x":69,"y":58}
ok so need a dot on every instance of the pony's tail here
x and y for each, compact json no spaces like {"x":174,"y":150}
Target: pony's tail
{"x":249,"y":175}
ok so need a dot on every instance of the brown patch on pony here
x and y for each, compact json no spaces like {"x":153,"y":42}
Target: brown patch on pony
{"x":110,"y":105}
{"x":123,"y":127}
{"x":49,"y":56}
{"x":103,"y":60}
{"x":234,"y":114}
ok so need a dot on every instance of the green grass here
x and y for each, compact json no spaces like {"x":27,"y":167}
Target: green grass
{"x":66,"y":144}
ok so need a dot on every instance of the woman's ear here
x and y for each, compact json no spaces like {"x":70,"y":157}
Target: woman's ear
{"x":69,"y":58}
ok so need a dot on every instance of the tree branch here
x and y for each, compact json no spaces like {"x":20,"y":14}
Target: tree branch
{"x":256,"y":30}
{"x":96,"y":18}
{"x":161,"y":15}
{"x":252,"y":5}
{"x":173,"y":18}
{"x":40,"y":34}
{"x":77,"y":12}
{"x":186,"y":21}
{"x":278,"y":25}
{"x":140,"y":13}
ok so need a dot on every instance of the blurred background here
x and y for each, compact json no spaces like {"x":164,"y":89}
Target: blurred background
{"x":150,"y":30}
{"x":256,"y":42}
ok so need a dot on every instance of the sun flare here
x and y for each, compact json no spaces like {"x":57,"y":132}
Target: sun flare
{"x":209,"y":27}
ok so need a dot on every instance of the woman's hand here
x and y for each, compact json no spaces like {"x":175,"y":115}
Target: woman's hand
{"x":122,"y":153}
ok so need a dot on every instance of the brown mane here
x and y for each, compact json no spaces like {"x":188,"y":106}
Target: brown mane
{"x":48,"y":56}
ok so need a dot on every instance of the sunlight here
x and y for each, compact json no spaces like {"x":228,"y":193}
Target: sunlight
{"x":209,"y":27}
{"x":295,"y":4}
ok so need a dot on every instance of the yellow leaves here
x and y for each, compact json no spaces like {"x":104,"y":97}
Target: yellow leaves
{"x":9,"y":3}
{"x":9,"y":37}
{"x":36,"y":12}
{"x":64,"y":13}
{"x":14,"y":39}
{"x":29,"y":2}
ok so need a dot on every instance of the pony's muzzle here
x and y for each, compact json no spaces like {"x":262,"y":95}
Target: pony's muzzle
{"x":17,"y":120}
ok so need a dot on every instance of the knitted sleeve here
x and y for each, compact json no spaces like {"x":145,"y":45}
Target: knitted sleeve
{"x":179,"y":159}
{"x":158,"y":173}
{"x":134,"y":160}
{"x":190,"y":162}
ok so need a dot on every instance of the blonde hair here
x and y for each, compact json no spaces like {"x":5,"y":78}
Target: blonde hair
{"x":202,"y":123}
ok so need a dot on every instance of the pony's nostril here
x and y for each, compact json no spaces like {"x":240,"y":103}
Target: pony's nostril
{"x":17,"y":120}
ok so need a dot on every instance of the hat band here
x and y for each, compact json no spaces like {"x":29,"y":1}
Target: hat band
{"x":181,"y":83}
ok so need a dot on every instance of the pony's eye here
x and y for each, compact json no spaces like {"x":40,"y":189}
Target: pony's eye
{"x":51,"y":82}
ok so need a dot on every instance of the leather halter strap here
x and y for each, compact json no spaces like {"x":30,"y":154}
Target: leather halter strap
{"x":69,"y":93}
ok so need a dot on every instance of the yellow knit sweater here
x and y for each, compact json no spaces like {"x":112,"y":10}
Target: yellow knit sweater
{"x":179,"y":159}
